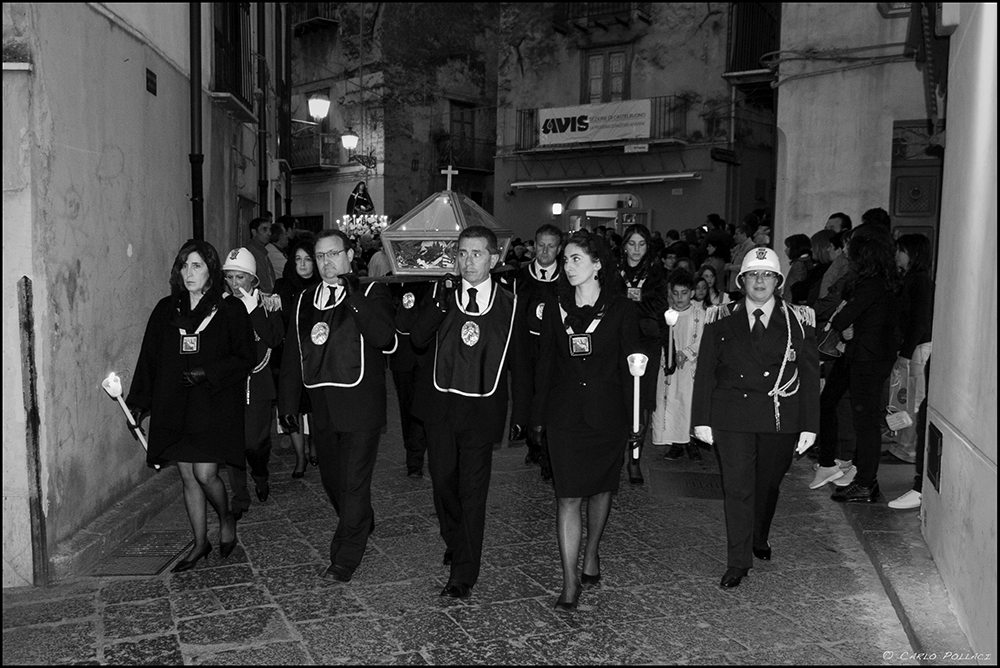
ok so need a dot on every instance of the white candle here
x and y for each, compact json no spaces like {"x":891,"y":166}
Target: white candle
{"x":635,"y":406}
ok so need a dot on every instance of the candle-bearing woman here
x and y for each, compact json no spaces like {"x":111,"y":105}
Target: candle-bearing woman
{"x":583,"y":400}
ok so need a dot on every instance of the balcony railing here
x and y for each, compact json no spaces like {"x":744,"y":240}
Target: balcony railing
{"x":668,"y":121}
{"x":234,"y":70}
{"x":753,"y":31}
{"x":314,"y":150}
{"x":308,"y":16}
{"x":466,"y":152}
{"x":582,"y":13}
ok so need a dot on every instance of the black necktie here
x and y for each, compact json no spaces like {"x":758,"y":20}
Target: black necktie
{"x":332,"y":299}
{"x":757,"y":332}
{"x":473,"y":305}
{"x":543,"y":274}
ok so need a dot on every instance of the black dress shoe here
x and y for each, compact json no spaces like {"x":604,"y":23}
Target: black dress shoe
{"x":298,"y":474}
{"x":226,"y":547}
{"x":733,"y":577}
{"x":338,"y":573}
{"x":457,"y":590}
{"x":414,"y":472}
{"x":855,"y":493}
{"x":693,"y":453}
{"x":447,"y":558}
{"x":590,"y":579}
{"x":763,"y":553}
{"x":533,"y":456}
{"x":313,"y":460}
{"x":263,"y":490}
{"x":546,"y":473}
{"x":188,"y":564}
{"x":238,"y":514}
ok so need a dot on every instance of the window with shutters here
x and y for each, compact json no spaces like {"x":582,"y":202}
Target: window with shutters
{"x":606,"y":75}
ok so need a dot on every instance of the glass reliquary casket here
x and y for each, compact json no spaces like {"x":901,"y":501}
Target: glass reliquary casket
{"x":425,"y":240}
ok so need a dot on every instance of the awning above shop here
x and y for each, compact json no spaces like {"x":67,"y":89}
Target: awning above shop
{"x":609,"y":180}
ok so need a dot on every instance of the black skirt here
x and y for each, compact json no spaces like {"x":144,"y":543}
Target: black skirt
{"x":586,"y":461}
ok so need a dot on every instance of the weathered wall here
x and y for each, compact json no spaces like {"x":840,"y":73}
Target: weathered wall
{"x":835,"y":130}
{"x":960,"y":521}
{"x":17,"y":214}
{"x":681,"y":52}
{"x":109,"y":206}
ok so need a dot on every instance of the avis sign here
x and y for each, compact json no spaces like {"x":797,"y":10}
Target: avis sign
{"x":629,"y":119}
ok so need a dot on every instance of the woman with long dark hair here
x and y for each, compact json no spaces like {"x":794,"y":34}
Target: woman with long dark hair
{"x":300,"y":273}
{"x":798,"y":250}
{"x":196,"y":355}
{"x":916,"y":314}
{"x":645,"y":284}
{"x":867,"y":322}
{"x":583,"y":399}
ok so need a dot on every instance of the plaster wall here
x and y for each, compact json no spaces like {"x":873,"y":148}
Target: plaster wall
{"x":835,"y":129}
{"x":165,"y":26}
{"x":960,"y":521}
{"x":110,"y":207}
{"x":17,"y":214}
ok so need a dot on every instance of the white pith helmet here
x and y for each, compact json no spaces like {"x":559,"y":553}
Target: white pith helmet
{"x":760,"y":259}
{"x":240,"y":259}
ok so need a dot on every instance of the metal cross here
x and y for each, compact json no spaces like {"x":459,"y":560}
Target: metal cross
{"x":450,"y":172}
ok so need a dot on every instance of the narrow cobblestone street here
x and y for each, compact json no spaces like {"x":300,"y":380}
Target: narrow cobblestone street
{"x":820,"y":600}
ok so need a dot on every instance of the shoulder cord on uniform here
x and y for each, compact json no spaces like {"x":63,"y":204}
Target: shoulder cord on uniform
{"x":260,"y":367}
{"x":780,"y":390}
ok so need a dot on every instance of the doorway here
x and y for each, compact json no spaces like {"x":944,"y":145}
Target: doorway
{"x":613,"y":210}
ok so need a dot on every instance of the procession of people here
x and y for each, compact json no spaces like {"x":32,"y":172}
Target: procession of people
{"x":734,"y":369}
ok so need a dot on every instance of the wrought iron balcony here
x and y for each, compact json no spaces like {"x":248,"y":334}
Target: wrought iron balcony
{"x":234,"y":70}
{"x":668,"y":121}
{"x":315,"y":150}
{"x":753,"y":31}
{"x":584,"y":15}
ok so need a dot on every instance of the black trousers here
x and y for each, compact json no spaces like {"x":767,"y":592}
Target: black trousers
{"x":460,"y":468}
{"x":865,"y":381}
{"x":414,"y":436}
{"x":346,"y":460}
{"x":752,"y":467}
{"x":257,"y":430}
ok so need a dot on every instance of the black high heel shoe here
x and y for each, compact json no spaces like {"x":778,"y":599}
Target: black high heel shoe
{"x":188,"y":564}
{"x":569,"y":605}
{"x":226,"y":547}
{"x":588,"y":579}
{"x":313,"y":460}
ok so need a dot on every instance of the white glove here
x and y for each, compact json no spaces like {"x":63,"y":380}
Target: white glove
{"x":806,"y":440}
{"x":271,"y":302}
{"x":848,"y":333}
{"x":249,"y":299}
{"x":704,"y":434}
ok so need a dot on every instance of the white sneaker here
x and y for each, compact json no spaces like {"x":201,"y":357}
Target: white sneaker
{"x":847,"y":478}
{"x":844,"y":464}
{"x":908,"y":501}
{"x":825,"y":474}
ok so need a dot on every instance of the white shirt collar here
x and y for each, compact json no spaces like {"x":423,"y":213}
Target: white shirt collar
{"x":323,"y":294}
{"x":768,"y":308}
{"x":551,"y":271}
{"x":483,"y":291}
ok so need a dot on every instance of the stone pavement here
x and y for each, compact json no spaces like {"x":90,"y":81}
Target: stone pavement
{"x":820,"y":601}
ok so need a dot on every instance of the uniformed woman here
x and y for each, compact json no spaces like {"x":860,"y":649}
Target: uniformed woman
{"x":645,"y":284}
{"x":756,"y":395}
{"x":584,"y":399}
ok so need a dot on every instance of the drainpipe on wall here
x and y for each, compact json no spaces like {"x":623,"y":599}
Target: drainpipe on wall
{"x":262,"y":166}
{"x":197,"y":157}
{"x":287,"y":130}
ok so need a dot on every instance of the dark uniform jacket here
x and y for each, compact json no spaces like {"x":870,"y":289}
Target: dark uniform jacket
{"x":532,"y":293}
{"x":596,"y":390}
{"x":734,"y":385}
{"x":346,"y":367}
{"x":209,"y":413}
{"x":484,"y":416}
{"x":269,"y":331}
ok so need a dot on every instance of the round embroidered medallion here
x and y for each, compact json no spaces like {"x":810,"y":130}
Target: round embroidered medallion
{"x":320,"y":333}
{"x":409,"y":300}
{"x":470,"y":333}
{"x":539,"y":310}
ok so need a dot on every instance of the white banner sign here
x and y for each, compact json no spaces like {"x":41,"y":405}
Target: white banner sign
{"x":629,"y":119}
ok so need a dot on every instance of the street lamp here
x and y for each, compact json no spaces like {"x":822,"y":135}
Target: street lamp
{"x":319,"y":106}
{"x":349,"y":140}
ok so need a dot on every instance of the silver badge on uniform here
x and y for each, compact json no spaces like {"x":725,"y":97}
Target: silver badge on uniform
{"x":579,"y":345}
{"x":635,"y":294}
{"x":320,"y":333}
{"x":539,"y":310}
{"x":791,"y":355}
{"x":189,"y":344}
{"x":470,"y":333}
{"x":409,"y":300}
